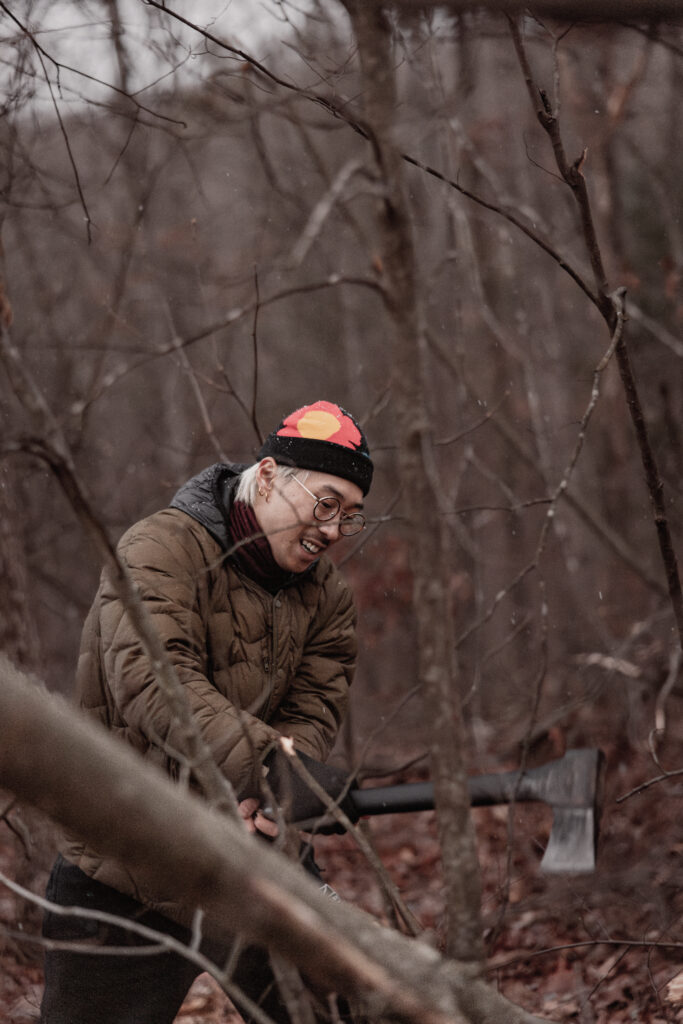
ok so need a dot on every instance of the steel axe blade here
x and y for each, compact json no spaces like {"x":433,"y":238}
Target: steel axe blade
{"x":572,"y":786}
{"x":577,"y":795}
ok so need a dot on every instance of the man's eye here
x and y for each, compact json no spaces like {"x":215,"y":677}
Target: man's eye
{"x":329,"y":505}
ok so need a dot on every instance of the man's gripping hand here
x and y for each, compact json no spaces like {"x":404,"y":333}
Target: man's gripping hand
{"x":254,"y":818}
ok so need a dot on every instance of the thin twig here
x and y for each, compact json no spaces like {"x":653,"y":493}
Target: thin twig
{"x":203,"y":410}
{"x":334,"y":810}
{"x":254,"y":345}
{"x":159,"y":942}
{"x":585,"y":944}
{"x":646,"y":785}
{"x":69,"y":151}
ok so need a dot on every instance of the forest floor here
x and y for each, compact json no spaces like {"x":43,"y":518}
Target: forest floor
{"x":597,"y":948}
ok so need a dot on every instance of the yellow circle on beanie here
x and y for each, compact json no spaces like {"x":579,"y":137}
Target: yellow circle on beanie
{"x":318,"y":423}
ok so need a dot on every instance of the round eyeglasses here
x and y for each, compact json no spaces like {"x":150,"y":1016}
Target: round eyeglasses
{"x":328,"y":507}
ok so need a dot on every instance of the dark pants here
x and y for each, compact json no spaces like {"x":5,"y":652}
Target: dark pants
{"x":131,"y":988}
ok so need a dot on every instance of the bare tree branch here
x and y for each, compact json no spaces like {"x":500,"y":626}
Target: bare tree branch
{"x":619,"y":11}
{"x":84,"y":778}
{"x":611,"y":307}
{"x":51,"y":447}
{"x":76,"y":71}
{"x":340,"y":111}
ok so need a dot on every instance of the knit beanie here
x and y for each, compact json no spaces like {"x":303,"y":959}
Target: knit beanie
{"x":325,"y":438}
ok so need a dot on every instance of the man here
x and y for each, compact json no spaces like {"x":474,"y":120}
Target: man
{"x":261,"y":629}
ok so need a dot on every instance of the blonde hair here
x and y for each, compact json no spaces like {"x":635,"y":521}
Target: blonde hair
{"x":247,"y":488}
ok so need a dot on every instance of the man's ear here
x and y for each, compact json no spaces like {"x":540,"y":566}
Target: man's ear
{"x":266,"y":473}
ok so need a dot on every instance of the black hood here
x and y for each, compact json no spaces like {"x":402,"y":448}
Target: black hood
{"x":207,"y":498}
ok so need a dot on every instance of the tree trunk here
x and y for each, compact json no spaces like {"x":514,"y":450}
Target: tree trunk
{"x":428,"y":533}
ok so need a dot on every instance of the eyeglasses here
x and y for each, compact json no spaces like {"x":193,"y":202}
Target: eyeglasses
{"x":325,"y":509}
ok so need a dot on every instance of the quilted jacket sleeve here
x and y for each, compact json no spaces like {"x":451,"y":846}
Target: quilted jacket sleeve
{"x":316,"y":702}
{"x":169,"y":568}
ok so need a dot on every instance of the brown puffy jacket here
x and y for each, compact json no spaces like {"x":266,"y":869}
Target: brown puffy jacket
{"x":286,"y":659}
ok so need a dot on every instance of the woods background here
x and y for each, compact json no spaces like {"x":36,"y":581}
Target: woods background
{"x":191,"y":249}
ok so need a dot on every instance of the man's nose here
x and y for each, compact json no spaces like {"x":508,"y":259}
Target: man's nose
{"x":330,"y":529}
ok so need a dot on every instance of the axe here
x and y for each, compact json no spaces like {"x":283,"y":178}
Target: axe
{"x":572,"y":786}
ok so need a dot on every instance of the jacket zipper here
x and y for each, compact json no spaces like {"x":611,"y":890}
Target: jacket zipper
{"x":270,"y":666}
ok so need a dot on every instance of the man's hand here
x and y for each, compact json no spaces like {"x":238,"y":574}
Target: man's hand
{"x":255,"y":820}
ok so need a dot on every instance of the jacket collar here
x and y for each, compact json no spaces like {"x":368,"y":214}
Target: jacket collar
{"x":208,"y":496}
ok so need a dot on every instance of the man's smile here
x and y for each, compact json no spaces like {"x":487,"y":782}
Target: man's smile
{"x":311,"y":546}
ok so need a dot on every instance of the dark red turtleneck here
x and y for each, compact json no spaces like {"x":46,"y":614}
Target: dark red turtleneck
{"x":254,"y":555}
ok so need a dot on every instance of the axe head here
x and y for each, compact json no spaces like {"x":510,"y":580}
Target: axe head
{"x":574,"y":789}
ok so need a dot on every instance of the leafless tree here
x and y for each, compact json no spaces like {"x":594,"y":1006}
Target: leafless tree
{"x":433,"y":211}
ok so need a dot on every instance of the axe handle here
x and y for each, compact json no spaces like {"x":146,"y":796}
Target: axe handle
{"x":485,"y":790}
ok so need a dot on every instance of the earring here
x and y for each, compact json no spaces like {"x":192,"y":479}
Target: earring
{"x":261,"y":491}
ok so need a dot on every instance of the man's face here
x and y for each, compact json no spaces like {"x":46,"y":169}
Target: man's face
{"x":295,"y":536}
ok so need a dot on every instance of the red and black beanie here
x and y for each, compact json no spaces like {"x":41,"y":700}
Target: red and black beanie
{"x":325,"y":438}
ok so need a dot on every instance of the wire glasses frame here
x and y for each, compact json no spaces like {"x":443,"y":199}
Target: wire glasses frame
{"x":327,"y":508}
